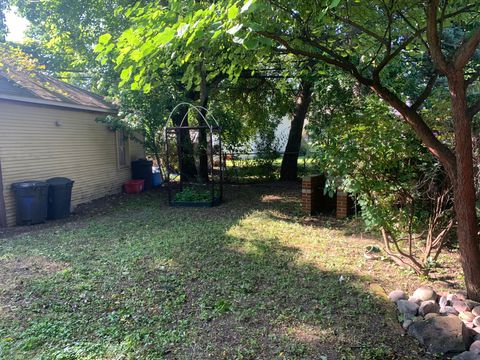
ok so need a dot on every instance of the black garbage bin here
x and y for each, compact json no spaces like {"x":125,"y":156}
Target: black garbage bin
{"x":142,"y":170}
{"x":31,"y":202}
{"x":59,"y":197}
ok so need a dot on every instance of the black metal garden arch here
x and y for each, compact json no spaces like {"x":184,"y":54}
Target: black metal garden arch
{"x":194,"y":164}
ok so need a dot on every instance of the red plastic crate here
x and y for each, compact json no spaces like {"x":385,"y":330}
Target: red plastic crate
{"x":133,"y":186}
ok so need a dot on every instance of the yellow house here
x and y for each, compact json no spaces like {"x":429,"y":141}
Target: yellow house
{"x":48,"y":129}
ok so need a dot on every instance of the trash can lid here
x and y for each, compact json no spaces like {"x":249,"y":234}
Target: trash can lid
{"x":29,"y":184}
{"x":59,"y":181}
{"x":143,"y":161}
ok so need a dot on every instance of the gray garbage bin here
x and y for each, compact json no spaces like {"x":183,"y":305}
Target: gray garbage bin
{"x":31,"y":202}
{"x":59,"y":197}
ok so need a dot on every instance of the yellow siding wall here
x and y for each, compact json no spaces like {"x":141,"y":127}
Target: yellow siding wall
{"x":34,"y":147}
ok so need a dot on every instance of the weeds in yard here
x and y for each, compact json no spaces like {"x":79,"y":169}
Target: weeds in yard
{"x":246,"y":280}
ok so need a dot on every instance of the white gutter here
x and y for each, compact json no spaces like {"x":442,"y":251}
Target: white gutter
{"x":57,"y":103}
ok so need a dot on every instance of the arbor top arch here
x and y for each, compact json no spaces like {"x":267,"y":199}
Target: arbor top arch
{"x":209,"y":121}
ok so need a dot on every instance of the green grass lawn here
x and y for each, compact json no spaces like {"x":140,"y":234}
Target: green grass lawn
{"x":250,"y":279}
{"x":251,"y":170}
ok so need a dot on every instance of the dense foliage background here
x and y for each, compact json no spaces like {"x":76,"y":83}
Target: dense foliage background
{"x":390,"y":91}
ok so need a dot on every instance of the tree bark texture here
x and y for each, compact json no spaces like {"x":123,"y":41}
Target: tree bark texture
{"x":186,"y":160}
{"x":202,"y":136}
{"x":289,"y":168}
{"x":464,"y":186}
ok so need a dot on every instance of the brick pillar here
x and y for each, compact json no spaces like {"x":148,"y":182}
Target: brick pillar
{"x":311,"y":192}
{"x":307,"y":195}
{"x":342,"y":204}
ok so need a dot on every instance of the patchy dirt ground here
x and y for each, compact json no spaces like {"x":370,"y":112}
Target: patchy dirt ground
{"x":130,"y":277}
{"x":81,"y":213}
{"x":15,"y":272}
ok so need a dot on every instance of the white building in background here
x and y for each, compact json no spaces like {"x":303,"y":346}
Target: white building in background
{"x":281,"y":135}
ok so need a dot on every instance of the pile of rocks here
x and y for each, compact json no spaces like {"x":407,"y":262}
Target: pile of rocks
{"x":443,"y":323}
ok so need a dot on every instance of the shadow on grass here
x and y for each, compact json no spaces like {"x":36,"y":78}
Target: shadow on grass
{"x":149,"y":281}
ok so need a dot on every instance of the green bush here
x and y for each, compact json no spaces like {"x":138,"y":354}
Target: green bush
{"x":362,"y":144}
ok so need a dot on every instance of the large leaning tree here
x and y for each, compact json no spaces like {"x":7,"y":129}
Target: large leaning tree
{"x":383,"y":43}
{"x":369,"y":40}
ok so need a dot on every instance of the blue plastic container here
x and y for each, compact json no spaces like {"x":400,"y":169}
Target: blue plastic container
{"x":156,"y":179}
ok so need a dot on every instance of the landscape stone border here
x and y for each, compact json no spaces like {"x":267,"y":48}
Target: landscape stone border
{"x":443,"y":323}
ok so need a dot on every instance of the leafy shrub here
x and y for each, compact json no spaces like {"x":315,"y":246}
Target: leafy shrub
{"x":267,"y":152}
{"x":402,"y":190}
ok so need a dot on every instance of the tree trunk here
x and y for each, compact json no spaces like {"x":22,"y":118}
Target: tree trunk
{"x":289,"y":169}
{"x":156,"y":154}
{"x":202,"y":136}
{"x":464,"y":186}
{"x":201,"y":153}
{"x":459,"y":167}
{"x":151,"y":133}
{"x":186,"y":161}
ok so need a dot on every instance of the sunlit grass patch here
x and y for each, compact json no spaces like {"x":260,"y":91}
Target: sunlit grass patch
{"x":248,"y":279}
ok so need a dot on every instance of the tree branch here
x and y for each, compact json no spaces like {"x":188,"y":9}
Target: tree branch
{"x":316,"y":44}
{"x":311,"y":54}
{"x":363,"y":29}
{"x":410,"y":115}
{"x":425,"y":93}
{"x":472,"y":78}
{"x":390,"y":56}
{"x":443,"y":17}
{"x":467,"y":50}
{"x":474,"y":108}
{"x":423,"y":131}
{"x":411,"y":26}
{"x":417,"y":33}
{"x":442,"y":14}
{"x":435,"y":47}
